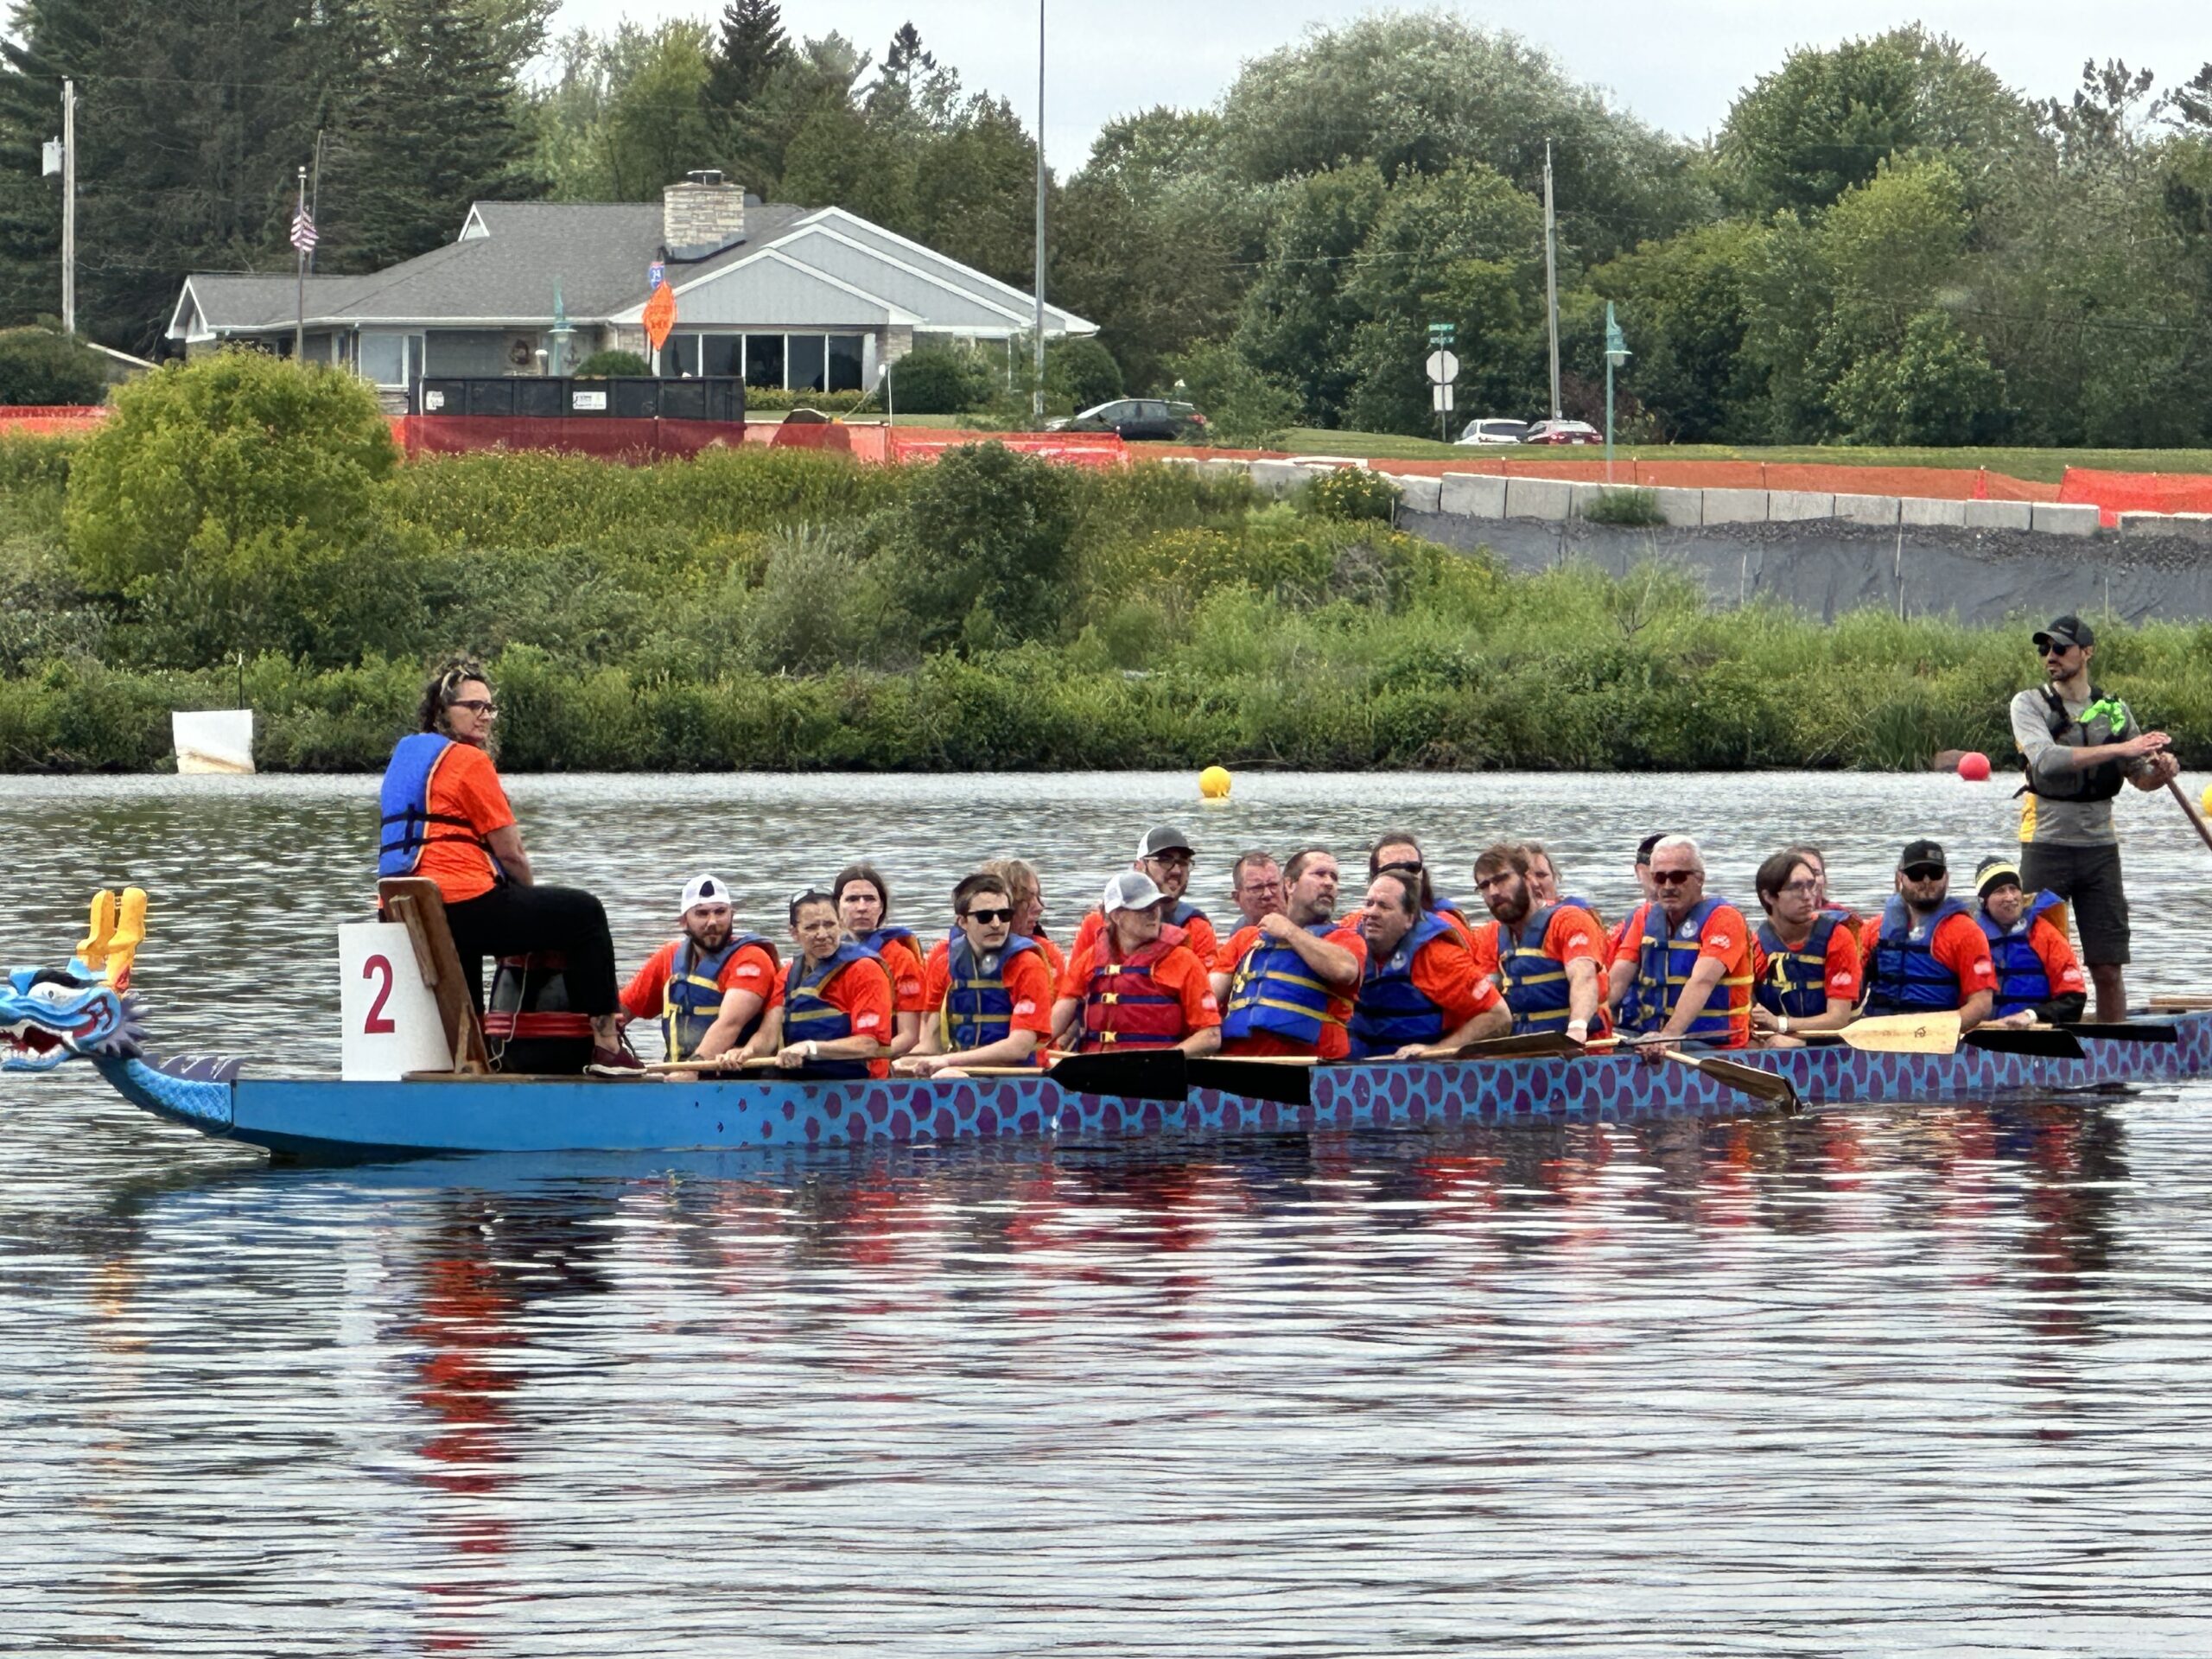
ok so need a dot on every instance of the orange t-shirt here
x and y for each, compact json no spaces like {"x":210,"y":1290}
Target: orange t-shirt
{"x":750,"y":967}
{"x":862,"y":991}
{"x":1179,"y":971}
{"x":1445,"y":971}
{"x":904,"y":963}
{"x":1482,"y":946}
{"x":464,"y":784}
{"x":1029,"y":979}
{"x":1457,"y":922}
{"x":1958,"y":943}
{"x":1845,"y":969}
{"x":1335,"y":1038}
{"x":1198,"y":934}
{"x":2060,"y":965}
{"x":1054,"y":959}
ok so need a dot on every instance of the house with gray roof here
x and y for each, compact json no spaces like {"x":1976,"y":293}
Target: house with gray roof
{"x":800,"y":298}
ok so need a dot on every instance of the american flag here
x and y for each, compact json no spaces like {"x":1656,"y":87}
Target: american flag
{"x":303,"y":231}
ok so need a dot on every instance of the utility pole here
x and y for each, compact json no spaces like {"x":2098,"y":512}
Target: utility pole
{"x":1551,"y":274}
{"x":1037,"y":395}
{"x":300,"y":317}
{"x":69,"y":207}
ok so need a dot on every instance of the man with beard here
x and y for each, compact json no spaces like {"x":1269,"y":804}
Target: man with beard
{"x":1163,"y":857}
{"x":1292,"y":991}
{"x":1925,"y":952}
{"x":708,"y":986}
{"x":987,"y":991}
{"x":1550,"y":954}
{"x":1686,"y":970}
{"x":1419,"y":995}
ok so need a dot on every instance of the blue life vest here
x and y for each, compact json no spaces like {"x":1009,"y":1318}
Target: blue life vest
{"x":1796,"y":983}
{"x":2022,"y":980}
{"x":1275,"y":991}
{"x":1665,"y":959}
{"x":1902,"y":974}
{"x":1536,"y":986}
{"x":811,"y":1017}
{"x":1392,"y":1011}
{"x":403,"y":802}
{"x":978,"y":1007}
{"x":692,"y":999}
{"x":1184,"y":911}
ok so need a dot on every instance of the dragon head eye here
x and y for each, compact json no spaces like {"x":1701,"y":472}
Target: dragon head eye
{"x":53,"y":995}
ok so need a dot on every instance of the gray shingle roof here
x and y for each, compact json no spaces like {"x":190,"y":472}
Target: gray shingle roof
{"x":598,"y":252}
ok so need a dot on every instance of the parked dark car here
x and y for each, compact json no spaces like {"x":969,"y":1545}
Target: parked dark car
{"x":1138,"y":419}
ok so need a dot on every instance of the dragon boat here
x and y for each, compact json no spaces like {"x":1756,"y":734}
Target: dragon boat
{"x":83,"y":1014}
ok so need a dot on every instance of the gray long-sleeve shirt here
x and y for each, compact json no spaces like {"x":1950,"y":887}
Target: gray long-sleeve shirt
{"x":2052,"y":823}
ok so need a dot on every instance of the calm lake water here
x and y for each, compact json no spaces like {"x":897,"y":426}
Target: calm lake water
{"x":1915,"y":1380}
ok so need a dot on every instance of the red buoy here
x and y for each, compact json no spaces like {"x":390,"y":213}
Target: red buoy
{"x":1973,"y":766}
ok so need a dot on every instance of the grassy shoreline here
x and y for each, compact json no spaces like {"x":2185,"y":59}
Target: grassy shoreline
{"x":775,"y":610}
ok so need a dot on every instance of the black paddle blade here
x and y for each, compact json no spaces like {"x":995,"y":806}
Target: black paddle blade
{"x":1140,"y":1074}
{"x":1769,"y":1086}
{"x":1532,"y":1045}
{"x":2131,"y":1033}
{"x":2053,"y":1045}
{"x":1287,"y":1085}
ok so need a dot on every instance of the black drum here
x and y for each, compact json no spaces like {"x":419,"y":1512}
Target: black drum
{"x":530,"y":1029}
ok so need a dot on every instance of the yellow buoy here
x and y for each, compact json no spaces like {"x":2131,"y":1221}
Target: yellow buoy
{"x":1213,"y":783}
{"x":2208,"y":800}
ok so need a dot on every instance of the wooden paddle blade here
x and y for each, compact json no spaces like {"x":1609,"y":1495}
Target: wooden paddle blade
{"x":1933,"y":1032}
{"x":1140,"y":1074}
{"x":1750,"y":1079}
{"x":2131,"y":1031}
{"x":1288,"y":1085}
{"x":1535,"y":1046}
{"x":2048,"y":1043}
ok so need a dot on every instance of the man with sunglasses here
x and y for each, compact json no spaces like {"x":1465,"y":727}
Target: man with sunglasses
{"x":2079,"y":746}
{"x":1685,"y":974}
{"x":1163,"y":857}
{"x":987,"y":993}
{"x":1925,"y":953}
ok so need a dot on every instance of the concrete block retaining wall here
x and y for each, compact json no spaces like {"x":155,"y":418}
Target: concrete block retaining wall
{"x":2064,"y":518}
{"x":1916,"y":510}
{"x":1798,"y":504}
{"x":1868,"y":509}
{"x":1999,"y":515}
{"x":1735,"y":506}
{"x":1473,"y":495}
{"x":1539,"y":498}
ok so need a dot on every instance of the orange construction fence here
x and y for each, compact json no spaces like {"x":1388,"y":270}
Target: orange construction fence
{"x":50,"y":420}
{"x":649,"y":440}
{"x":2114,"y":493}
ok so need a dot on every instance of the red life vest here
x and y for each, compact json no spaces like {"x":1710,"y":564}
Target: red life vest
{"x":1124,"y":1007}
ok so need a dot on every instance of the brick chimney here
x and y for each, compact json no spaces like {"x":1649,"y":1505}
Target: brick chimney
{"x":702,"y":215}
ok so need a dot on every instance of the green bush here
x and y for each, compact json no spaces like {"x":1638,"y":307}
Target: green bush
{"x":770,"y":400}
{"x":1245,"y":408}
{"x":1632,"y":509}
{"x":1081,"y":370}
{"x":46,"y":367}
{"x":984,"y":546}
{"x":233,"y":466}
{"x":1351,"y":494}
{"x":941,"y":380}
{"x":603,"y":365}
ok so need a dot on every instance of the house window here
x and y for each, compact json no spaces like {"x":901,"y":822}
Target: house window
{"x":808,"y":362}
{"x":383,"y":359}
{"x":723,"y":354}
{"x":764,"y":360}
{"x":679,"y":356}
{"x":845,"y":352}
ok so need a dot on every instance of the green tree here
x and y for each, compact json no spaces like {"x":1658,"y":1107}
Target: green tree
{"x":437,"y":126}
{"x":44,"y":365}
{"x":751,"y":48}
{"x":1684,"y":303}
{"x":1936,"y":386}
{"x":986,"y":547}
{"x":1297,"y":325}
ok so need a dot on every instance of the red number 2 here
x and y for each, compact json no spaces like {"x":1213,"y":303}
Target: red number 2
{"x":377,"y":1025}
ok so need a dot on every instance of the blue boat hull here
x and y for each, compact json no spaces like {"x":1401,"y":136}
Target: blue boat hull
{"x":320,"y":1119}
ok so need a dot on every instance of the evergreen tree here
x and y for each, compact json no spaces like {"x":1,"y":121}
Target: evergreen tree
{"x":752,"y":47}
{"x":191,"y":123}
{"x":437,"y":127}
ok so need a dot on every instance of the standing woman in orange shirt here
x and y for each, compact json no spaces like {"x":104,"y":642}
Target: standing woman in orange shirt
{"x":445,"y":818}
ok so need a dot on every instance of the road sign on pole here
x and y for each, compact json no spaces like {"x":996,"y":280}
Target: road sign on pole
{"x":1441,"y":396}
{"x":1443,"y":366}
{"x":655,"y":274}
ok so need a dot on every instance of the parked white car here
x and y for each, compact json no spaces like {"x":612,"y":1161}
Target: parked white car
{"x":1495,"y":431}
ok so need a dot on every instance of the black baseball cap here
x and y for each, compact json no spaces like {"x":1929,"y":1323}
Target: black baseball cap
{"x":1923,"y":851}
{"x":1643,"y":847}
{"x":2068,"y":630}
{"x":1165,"y":839}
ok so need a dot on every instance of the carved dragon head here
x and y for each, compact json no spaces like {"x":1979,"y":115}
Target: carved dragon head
{"x":50,"y":1016}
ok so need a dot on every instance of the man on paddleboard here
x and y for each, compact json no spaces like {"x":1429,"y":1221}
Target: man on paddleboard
{"x":2079,"y":746}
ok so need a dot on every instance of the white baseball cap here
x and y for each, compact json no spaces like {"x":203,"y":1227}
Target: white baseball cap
{"x":704,"y":890}
{"x":1130,"y":890}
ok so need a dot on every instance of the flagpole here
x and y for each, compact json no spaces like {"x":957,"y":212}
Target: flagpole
{"x":300,"y":315}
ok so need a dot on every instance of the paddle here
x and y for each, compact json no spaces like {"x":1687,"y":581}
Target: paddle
{"x":2044,"y":1042}
{"x":1901,"y":1033}
{"x":1749,"y":1079}
{"x":1140,"y":1074}
{"x":2117,"y":1033}
{"x":2190,"y":807}
{"x":719,"y":1063}
{"x":1288,"y":1082}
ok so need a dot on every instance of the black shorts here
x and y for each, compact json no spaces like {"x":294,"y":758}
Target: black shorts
{"x":2088,"y":878}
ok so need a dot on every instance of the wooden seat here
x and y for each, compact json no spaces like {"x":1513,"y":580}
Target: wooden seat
{"x":417,"y":903}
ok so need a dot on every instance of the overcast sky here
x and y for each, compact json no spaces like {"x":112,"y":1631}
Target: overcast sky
{"x":1677,"y":63}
